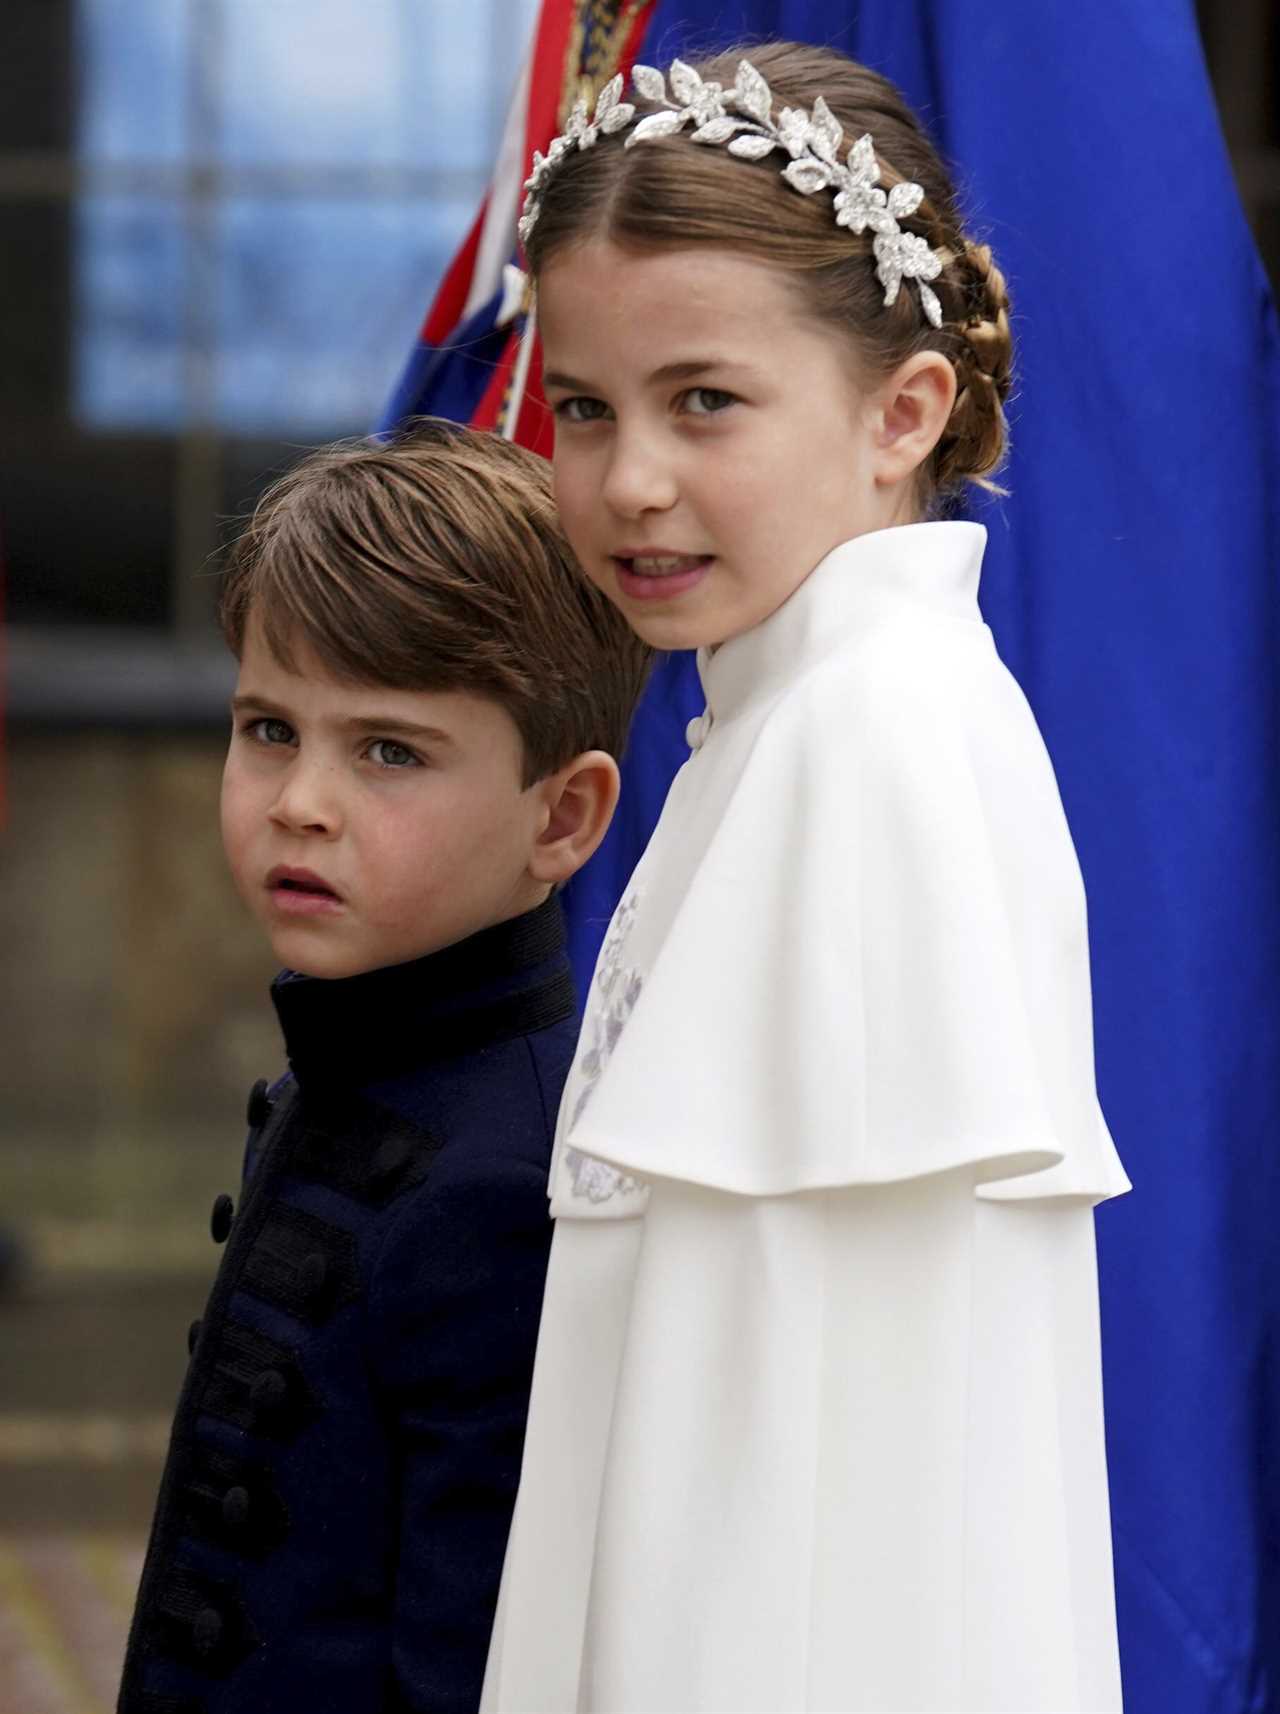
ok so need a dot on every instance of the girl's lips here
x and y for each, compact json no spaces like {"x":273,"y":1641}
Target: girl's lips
{"x":687,"y":571}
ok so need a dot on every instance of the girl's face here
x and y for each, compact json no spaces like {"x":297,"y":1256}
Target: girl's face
{"x":712,"y":444}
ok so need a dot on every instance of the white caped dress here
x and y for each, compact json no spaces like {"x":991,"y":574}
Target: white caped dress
{"x":816,"y":1418}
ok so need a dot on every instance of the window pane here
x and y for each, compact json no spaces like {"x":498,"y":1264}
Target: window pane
{"x":320,"y":300}
{"x":460,"y":66}
{"x":303,"y":303}
{"x":321,"y":81}
{"x":86,"y":525}
{"x":130,"y":320}
{"x":132,"y":65}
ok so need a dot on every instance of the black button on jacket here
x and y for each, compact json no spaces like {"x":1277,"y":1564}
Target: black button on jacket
{"x":334,"y":1511}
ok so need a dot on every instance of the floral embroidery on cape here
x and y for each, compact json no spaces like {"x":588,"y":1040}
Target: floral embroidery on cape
{"x":615,"y":990}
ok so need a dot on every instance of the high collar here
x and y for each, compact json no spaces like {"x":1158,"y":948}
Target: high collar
{"x":922,"y":567}
{"x":502,"y":982}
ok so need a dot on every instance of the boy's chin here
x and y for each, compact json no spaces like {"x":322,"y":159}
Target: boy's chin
{"x":310,"y":955}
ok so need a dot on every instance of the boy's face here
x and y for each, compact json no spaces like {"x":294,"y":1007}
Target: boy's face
{"x":366,"y":826}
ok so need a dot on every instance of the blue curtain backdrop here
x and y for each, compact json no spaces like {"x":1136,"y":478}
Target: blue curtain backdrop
{"x":1131,"y":582}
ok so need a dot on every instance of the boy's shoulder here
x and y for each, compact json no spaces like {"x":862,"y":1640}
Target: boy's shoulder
{"x":479,"y":1112}
{"x":491,"y":1106}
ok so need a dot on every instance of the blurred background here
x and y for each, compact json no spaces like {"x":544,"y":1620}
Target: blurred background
{"x":221,"y":222}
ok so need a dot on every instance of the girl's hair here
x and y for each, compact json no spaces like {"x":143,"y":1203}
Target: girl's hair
{"x":670,"y":192}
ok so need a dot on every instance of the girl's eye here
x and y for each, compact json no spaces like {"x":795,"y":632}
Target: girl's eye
{"x":581,"y":410}
{"x":388,"y":754}
{"x":270,"y":731}
{"x":707,"y":401}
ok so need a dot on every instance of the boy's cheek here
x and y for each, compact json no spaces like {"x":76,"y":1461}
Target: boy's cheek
{"x":236,"y":816}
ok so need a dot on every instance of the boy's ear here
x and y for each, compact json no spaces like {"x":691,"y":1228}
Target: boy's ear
{"x":579,"y":800}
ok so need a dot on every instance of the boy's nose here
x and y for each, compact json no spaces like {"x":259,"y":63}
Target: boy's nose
{"x":307,"y":802}
{"x":638,"y":480}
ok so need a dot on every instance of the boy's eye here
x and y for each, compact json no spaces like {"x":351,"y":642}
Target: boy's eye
{"x":707,"y":401}
{"x":388,"y":754}
{"x":580,"y":409}
{"x":269,"y":730}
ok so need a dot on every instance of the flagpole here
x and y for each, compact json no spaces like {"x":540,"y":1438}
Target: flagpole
{"x":520,"y":374}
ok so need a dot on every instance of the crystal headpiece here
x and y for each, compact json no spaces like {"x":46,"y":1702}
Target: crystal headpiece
{"x":742,"y":118}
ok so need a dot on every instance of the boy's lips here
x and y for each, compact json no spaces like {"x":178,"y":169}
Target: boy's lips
{"x":301,"y":892}
{"x":659,"y":574}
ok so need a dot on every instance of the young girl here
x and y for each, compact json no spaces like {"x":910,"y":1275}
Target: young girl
{"x":817,"y":1417}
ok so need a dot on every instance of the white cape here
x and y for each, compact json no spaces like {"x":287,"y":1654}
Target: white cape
{"x":816,"y":1420}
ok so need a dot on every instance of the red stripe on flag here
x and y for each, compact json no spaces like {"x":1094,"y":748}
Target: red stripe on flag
{"x":446,"y":308}
{"x":547,"y":72}
{"x":546,"y":82}
{"x":488,"y":412}
{"x":536,"y":426}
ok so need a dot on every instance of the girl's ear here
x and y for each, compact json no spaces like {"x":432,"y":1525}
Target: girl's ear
{"x":914,"y":407}
{"x":579,"y":801}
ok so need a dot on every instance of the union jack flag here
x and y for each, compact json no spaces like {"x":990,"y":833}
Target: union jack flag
{"x":466,"y":356}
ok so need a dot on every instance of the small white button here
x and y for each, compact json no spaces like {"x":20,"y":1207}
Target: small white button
{"x":695,"y":733}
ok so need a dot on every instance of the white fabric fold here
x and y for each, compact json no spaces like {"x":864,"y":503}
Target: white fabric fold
{"x":859,"y":951}
{"x":833,"y":1451}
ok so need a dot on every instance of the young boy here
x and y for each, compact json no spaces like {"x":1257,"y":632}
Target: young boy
{"x":429,"y":703}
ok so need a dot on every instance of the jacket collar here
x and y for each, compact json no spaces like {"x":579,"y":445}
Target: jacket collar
{"x":503,"y":982}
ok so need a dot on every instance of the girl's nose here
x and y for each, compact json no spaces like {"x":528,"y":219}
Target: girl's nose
{"x":307,"y":801}
{"x":638,"y":479}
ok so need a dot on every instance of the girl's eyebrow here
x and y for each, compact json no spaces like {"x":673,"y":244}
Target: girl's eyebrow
{"x":687,"y":369}
{"x":691,"y":367}
{"x":553,"y":378}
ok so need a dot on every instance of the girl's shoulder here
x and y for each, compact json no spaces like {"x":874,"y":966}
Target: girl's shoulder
{"x":922,"y":660}
{"x":915,"y":689}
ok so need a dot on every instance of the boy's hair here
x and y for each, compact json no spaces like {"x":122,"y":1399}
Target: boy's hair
{"x":666,"y":193}
{"x":435,"y":561}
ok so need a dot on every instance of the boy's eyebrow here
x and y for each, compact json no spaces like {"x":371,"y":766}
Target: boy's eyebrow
{"x":685,"y":370}
{"x":394,"y":723}
{"x":243,"y":703}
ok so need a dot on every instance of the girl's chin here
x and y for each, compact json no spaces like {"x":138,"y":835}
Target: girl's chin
{"x":670,"y":636}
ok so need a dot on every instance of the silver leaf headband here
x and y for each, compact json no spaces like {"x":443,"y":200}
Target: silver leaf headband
{"x":741,"y":117}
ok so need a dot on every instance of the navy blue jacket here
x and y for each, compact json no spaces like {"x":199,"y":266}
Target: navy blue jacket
{"x":334,"y":1511}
